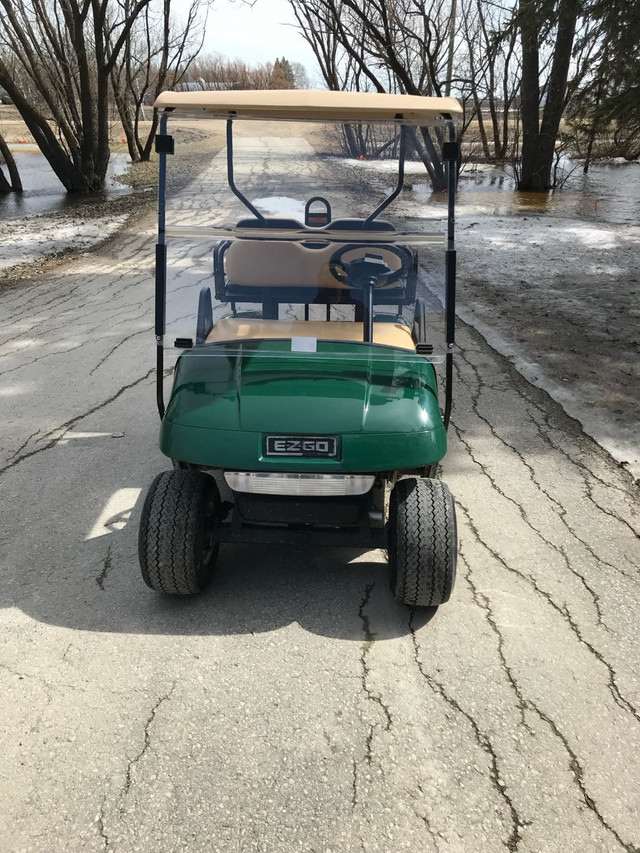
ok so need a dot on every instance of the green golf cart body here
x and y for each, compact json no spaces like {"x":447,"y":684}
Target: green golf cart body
{"x":308,"y":341}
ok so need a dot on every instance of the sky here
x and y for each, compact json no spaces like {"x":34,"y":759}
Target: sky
{"x":258,"y":33}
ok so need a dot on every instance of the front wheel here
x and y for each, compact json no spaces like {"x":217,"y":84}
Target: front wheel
{"x":423,"y":542}
{"x":175,"y":545}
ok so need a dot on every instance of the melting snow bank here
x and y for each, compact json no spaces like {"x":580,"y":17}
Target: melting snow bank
{"x":560,"y":299}
{"x":24,"y":241}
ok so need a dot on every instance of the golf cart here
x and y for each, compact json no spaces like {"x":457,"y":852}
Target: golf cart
{"x":307,"y":329}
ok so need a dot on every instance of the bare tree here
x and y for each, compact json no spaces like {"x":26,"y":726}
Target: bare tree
{"x":493,"y":74}
{"x":156,"y":54}
{"x":218,"y":72}
{"x":383,"y":45}
{"x":300,"y":76}
{"x":56,"y":62}
{"x":317,"y":25}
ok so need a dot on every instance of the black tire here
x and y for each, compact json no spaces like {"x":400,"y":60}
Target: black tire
{"x":175,"y":546}
{"x":423,"y":542}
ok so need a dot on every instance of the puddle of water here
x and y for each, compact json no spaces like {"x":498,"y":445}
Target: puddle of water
{"x":43,"y":192}
{"x":608,"y":192}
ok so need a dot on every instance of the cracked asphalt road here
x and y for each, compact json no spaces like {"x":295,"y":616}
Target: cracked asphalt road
{"x":295,"y":706}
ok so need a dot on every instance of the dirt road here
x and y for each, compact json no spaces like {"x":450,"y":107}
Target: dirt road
{"x":295,"y":706}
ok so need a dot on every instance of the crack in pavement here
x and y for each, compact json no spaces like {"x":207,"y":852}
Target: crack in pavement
{"x":369,"y":639}
{"x":24,"y":444}
{"x":124,"y":340}
{"x":612,"y":685}
{"x":366,"y":648}
{"x":106,"y":566}
{"x":46,"y":686}
{"x":586,"y":474}
{"x":424,"y":817}
{"x":50,"y":687}
{"x":523,"y":514}
{"x":354,"y":785}
{"x":561,"y":512}
{"x":481,"y":738}
{"x":58,"y":432}
{"x":101,"y":825}
{"x":578,"y":775}
{"x":483,"y":602}
{"x":147,"y":741}
{"x":39,"y":299}
{"x":528,"y":391}
{"x":94,"y":334}
{"x":528,"y":704}
{"x":66,"y":351}
{"x":87,"y":301}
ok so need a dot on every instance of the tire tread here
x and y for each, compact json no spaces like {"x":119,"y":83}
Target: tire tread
{"x":422,"y":542}
{"x":171,"y":525}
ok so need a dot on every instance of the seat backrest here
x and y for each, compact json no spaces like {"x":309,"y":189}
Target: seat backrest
{"x":278,"y":263}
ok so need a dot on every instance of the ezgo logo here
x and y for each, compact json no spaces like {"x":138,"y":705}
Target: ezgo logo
{"x":314,"y":446}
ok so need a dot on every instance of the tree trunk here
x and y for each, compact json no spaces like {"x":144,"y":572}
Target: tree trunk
{"x":488,"y":156}
{"x":352,"y":140}
{"x":530,"y":95}
{"x":124,"y":112}
{"x":63,"y":166}
{"x":437,"y":172}
{"x":14,"y":184}
{"x":145,"y":154}
{"x":414,"y":143}
{"x":539,"y":139}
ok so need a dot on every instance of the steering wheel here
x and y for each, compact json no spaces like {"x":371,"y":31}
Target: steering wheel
{"x":371,"y":269}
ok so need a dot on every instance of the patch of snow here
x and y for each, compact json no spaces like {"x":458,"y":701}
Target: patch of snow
{"x":476,"y":168}
{"x":29,"y":239}
{"x":593,"y":237}
{"x":411,"y":167}
{"x":279,"y":205}
{"x":620,"y":161}
{"x":620,"y":440}
{"x":559,"y":299}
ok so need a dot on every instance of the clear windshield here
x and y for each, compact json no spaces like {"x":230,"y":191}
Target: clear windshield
{"x":295,"y":255}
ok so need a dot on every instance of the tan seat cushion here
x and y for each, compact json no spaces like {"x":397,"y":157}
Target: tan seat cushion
{"x":239,"y":329}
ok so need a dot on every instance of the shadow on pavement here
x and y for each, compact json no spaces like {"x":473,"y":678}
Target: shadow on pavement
{"x":96,"y":585}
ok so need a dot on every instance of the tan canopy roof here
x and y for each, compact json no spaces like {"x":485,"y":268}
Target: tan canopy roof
{"x":311,"y":104}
